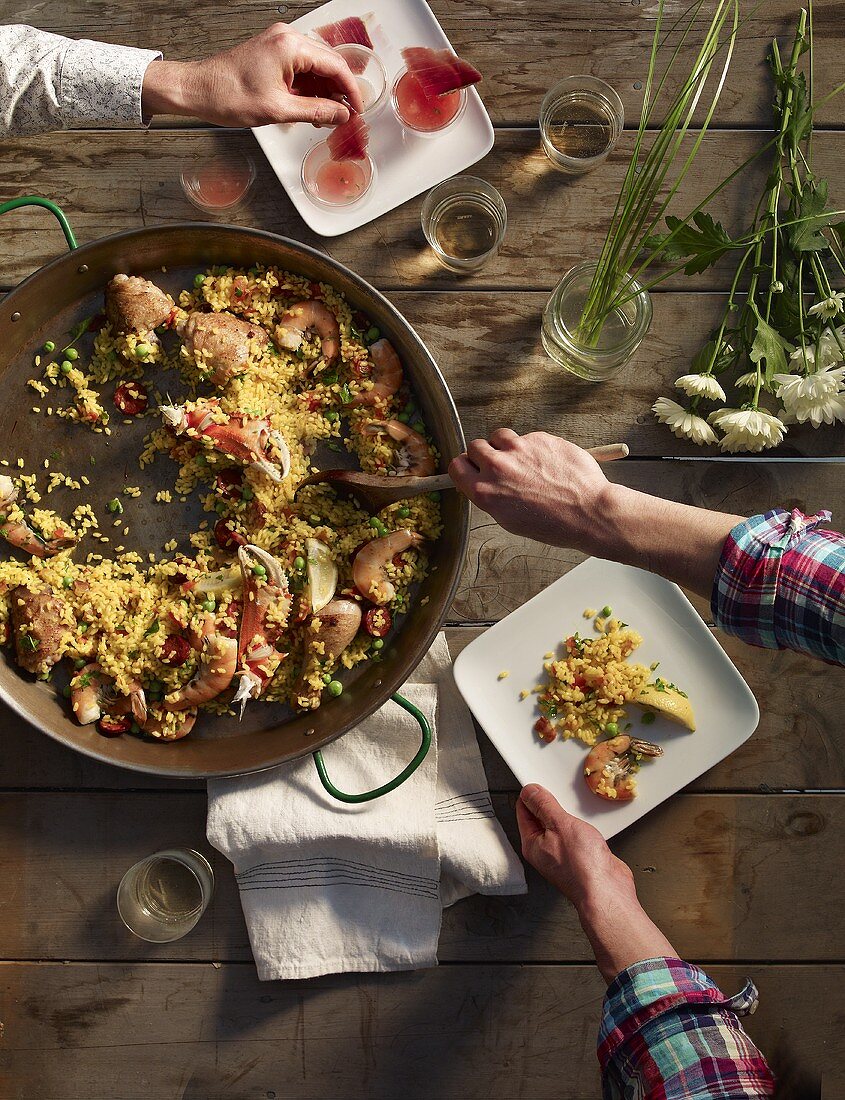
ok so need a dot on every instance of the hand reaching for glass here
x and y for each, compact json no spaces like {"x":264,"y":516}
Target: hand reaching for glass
{"x":278,"y":75}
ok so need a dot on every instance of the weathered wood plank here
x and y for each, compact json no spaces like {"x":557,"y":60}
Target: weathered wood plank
{"x":86,"y":1032}
{"x":112,"y":181}
{"x":521,"y":47}
{"x":702,"y":862}
{"x":796,"y":745}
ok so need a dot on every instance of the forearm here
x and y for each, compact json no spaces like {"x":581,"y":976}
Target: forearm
{"x":620,"y":933}
{"x":677,"y":541}
{"x":172,"y":88}
{"x":49,"y":83}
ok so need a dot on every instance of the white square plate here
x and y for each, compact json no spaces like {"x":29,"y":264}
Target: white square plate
{"x":673,"y":633}
{"x":406,"y":164}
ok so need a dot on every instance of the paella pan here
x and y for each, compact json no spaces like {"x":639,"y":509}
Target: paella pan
{"x":54,"y":301}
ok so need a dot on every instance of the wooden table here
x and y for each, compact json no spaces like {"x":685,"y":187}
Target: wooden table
{"x":742,"y":870}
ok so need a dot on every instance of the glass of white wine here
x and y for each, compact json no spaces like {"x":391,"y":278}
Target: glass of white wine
{"x":162,"y":897}
{"x":581,"y":119}
{"x":464,"y":220}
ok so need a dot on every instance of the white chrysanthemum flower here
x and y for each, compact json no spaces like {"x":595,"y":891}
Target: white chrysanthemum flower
{"x":747,"y":381}
{"x":815,"y":397}
{"x":825,"y":353}
{"x":681,"y":422}
{"x":700,"y":385}
{"x":747,"y":429}
{"x":830,"y":307}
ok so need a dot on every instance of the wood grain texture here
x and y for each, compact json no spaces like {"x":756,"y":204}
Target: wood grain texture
{"x":107,"y":182}
{"x":521,"y":46}
{"x":710,"y":871}
{"x":95,"y":1032}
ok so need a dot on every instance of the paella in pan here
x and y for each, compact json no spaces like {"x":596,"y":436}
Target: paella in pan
{"x":281,"y":589}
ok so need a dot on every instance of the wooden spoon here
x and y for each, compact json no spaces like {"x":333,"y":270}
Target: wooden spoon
{"x":375,"y":491}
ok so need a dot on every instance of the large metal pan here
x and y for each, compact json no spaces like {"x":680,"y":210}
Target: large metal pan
{"x":47,"y":305}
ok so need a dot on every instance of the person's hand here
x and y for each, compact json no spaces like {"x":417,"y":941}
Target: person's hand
{"x":536,"y":485}
{"x":575,"y":858}
{"x":572,"y":855}
{"x":277,"y":76}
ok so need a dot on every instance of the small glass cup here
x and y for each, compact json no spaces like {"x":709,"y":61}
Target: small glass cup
{"x":335,"y":183}
{"x":581,"y":119}
{"x":161,"y":898}
{"x":423,"y":116}
{"x":621,"y":334}
{"x":370,"y":75}
{"x":464,"y":220}
{"x":219,"y":184}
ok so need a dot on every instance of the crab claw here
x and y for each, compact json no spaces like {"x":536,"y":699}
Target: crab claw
{"x":174,"y":417}
{"x":278,"y":441}
{"x":249,"y":687}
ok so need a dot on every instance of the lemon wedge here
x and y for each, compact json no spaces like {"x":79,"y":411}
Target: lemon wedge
{"x":321,"y":572}
{"x":666,"y":699}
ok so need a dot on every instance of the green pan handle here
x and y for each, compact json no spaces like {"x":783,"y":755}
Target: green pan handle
{"x":36,"y":200}
{"x":397,"y":781}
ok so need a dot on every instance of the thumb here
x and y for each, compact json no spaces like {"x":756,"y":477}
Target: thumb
{"x":543,"y":805}
{"x":319,"y":112}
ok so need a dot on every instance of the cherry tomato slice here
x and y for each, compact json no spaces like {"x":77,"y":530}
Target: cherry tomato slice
{"x":229,"y":483}
{"x":226,"y":538}
{"x":131,"y":398}
{"x":378,"y":621}
{"x":175,"y":650}
{"x":114,"y":726}
{"x":545,"y":730}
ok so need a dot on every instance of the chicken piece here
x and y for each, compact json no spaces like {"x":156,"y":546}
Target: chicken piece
{"x":222,"y":343}
{"x":327,"y":634}
{"x":40,"y":624}
{"x":135,"y":305}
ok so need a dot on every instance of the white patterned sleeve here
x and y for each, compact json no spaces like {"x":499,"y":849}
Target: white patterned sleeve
{"x":52,"y":83}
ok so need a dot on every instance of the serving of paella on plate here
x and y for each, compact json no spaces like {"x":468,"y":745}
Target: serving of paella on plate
{"x":283,"y":588}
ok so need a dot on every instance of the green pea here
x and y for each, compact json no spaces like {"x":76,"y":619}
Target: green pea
{"x":201,"y":460}
{"x":299,"y":564}
{"x":157,"y":685}
{"x":330,"y":379}
{"x":79,"y":663}
{"x":418,"y":427}
{"x":247,"y":493}
{"x":67,"y":582}
{"x":647,"y":718}
{"x":612,"y":728}
{"x":332,"y":416}
{"x":335,"y":687}
{"x":606,"y":611}
{"x":327,"y":677}
{"x":378,"y":643}
{"x":208,"y":605}
{"x":259,"y":570}
{"x":434,"y":496}
{"x":66,"y":691}
{"x":135,"y":728}
{"x":82,"y":627}
{"x":142,"y":351}
{"x":375,"y":521}
{"x":66,"y":367}
{"x":199,"y":280}
{"x":403,"y":512}
{"x":71,"y":353}
{"x":403,"y":417}
{"x":372,"y":334}
{"x":49,"y":346}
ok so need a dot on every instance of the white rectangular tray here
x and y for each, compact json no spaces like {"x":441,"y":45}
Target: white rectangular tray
{"x":406,"y":164}
{"x":673,"y":633}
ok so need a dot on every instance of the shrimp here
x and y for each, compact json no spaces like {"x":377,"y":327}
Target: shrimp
{"x":165,"y":725}
{"x":266,"y":607}
{"x":244,"y":439}
{"x":18,"y":533}
{"x":92,"y":692}
{"x":214,"y":673}
{"x":609,"y":766}
{"x":327,"y":635}
{"x":386,"y":376}
{"x":303,"y":317}
{"x":414,"y":457}
{"x":368,"y":568}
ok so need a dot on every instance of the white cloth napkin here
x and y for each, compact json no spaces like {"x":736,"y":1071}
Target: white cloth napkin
{"x":328,"y":887}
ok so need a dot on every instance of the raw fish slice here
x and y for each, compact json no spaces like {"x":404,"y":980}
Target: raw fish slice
{"x":351,"y":31}
{"x":349,"y":141}
{"x":439,"y":72}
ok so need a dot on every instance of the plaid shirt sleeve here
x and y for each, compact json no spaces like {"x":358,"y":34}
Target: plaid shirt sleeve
{"x":668,"y":1033}
{"x":781,"y":584}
